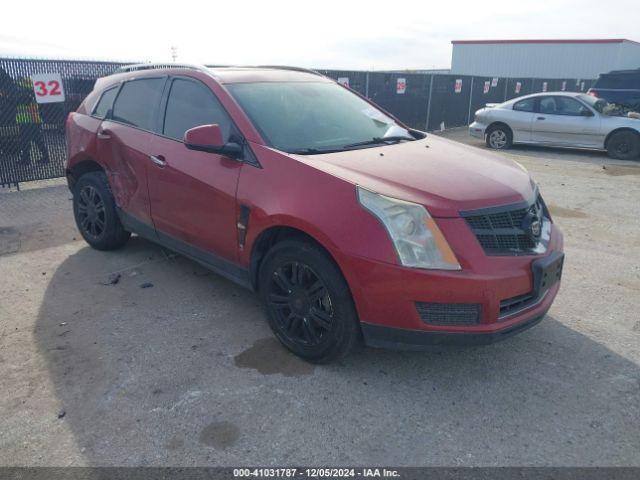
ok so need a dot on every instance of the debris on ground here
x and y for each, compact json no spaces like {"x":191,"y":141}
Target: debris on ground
{"x":61,"y":413}
{"x":113,"y":279}
{"x":146,"y":285}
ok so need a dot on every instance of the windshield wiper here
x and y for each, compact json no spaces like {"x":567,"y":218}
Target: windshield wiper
{"x":379,"y":141}
{"x":314,"y":151}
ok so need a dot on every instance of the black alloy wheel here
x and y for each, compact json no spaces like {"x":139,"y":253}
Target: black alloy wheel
{"x":95,"y":212}
{"x":91,"y":212}
{"x":301,"y":304}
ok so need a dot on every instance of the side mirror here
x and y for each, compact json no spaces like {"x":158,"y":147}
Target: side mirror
{"x":208,"y":138}
{"x":585,"y":112}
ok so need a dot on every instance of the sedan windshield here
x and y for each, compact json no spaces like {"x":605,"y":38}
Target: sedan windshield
{"x":598,"y":104}
{"x":315,"y":117}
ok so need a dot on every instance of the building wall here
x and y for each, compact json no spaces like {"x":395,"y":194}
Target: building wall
{"x":544,"y":60}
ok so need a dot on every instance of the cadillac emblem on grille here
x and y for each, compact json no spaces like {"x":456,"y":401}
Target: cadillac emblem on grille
{"x":532,"y":222}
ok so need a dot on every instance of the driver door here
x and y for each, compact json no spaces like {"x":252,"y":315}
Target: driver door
{"x":564,"y":121}
{"x":193,"y":194}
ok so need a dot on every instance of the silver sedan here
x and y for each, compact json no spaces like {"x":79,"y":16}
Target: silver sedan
{"x":559,"y":119}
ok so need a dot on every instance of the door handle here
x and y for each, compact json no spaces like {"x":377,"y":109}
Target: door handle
{"x":158,"y":160}
{"x":541,"y":118}
{"x":104,"y":134}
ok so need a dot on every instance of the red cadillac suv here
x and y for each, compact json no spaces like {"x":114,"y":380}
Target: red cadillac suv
{"x":350,"y":225}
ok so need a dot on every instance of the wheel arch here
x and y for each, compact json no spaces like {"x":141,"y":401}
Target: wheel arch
{"x":498,"y":123}
{"x":275,"y":234}
{"x":618,"y":130}
{"x":80,"y":168}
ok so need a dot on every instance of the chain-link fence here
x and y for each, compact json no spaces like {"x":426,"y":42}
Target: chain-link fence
{"x":37,"y":95}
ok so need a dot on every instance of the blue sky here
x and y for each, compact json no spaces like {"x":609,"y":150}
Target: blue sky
{"x":325,"y":34}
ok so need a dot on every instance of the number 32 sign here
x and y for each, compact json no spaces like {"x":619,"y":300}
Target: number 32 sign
{"x":48,"y":87}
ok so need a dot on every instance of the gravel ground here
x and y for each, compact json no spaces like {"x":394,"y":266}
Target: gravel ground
{"x":186,"y":372}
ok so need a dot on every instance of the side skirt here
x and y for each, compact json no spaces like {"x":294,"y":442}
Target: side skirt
{"x":207,"y":259}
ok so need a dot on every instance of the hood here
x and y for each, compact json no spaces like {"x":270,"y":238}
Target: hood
{"x":445,"y":176}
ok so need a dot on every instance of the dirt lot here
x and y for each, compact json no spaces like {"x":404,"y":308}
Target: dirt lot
{"x":186,"y":372}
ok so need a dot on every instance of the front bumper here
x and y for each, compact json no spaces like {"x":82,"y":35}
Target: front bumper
{"x":386,"y":295}
{"x":400,"y":339}
{"x":477,"y":129}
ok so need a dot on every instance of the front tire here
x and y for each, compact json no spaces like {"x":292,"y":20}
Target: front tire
{"x":94,"y":209}
{"x":308,"y":302}
{"x":499,"y":137}
{"x":624,"y":145}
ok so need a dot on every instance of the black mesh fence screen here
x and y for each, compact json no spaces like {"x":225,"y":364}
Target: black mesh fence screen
{"x":32,"y":143}
{"x":37,"y":95}
{"x":405,"y":95}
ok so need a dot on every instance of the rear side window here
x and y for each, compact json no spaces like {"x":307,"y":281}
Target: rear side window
{"x":137,"y":102}
{"x":192,"y":104}
{"x":105,"y":102}
{"x":525,"y":105}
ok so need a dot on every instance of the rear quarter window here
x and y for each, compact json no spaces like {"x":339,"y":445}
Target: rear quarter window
{"x":526,"y":105}
{"x":105,"y":103}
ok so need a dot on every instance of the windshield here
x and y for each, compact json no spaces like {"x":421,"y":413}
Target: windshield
{"x":597,"y":104}
{"x":312,"y":117}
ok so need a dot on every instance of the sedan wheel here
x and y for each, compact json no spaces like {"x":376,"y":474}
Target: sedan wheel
{"x":624,"y":145}
{"x":499,"y":138}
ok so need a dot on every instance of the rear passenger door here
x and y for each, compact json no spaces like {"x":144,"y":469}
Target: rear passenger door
{"x":123,"y":142}
{"x":192,"y":193}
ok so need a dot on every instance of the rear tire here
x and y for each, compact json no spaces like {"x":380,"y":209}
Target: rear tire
{"x":624,"y":145}
{"x":499,"y":137}
{"x":308,"y":302}
{"x":94,"y":209}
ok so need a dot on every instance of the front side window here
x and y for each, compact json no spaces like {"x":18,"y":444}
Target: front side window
{"x":525,"y":105}
{"x":313,"y":116}
{"x":105,"y":102}
{"x":192,"y":104}
{"x":137,"y":102}
{"x":569,"y":106}
{"x":548,"y":105}
{"x":561,"y":106}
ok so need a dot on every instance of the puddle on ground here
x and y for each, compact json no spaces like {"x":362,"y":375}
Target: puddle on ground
{"x":220,"y":435}
{"x":619,"y":170}
{"x":268,"y":357}
{"x":566,"y":212}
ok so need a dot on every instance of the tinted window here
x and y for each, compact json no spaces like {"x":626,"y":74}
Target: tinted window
{"x":619,"y":80}
{"x":137,"y":102}
{"x":192,"y":104}
{"x":105,"y":102}
{"x":525,"y":105}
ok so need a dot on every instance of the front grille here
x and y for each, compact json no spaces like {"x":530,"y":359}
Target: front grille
{"x":449,"y":313}
{"x":500,"y":230}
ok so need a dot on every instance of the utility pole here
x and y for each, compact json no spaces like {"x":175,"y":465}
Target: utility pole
{"x":174,"y":54}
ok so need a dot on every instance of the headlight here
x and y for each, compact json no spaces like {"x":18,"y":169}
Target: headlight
{"x":415,"y":235}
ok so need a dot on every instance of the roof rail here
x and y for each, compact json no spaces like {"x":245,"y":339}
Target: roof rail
{"x":293,"y":69}
{"x":154,"y":66}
